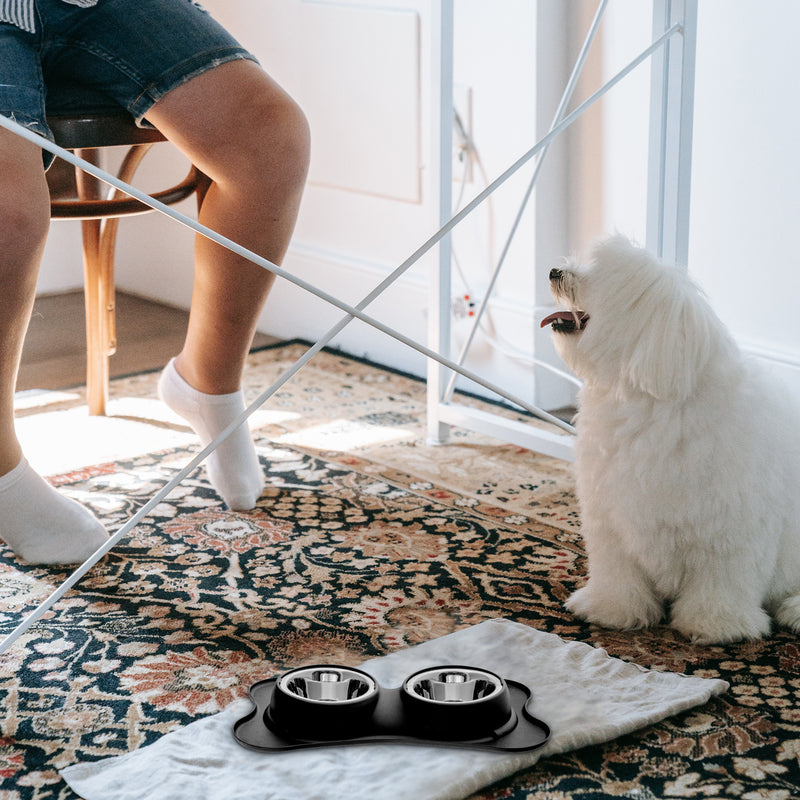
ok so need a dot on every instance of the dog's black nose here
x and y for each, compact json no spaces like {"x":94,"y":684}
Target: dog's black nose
{"x":556,"y":274}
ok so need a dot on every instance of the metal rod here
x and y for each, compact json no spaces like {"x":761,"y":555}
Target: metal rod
{"x":560,"y":111}
{"x":671,"y":121}
{"x":441,"y":144}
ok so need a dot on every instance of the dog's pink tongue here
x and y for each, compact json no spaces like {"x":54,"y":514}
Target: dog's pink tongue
{"x":566,"y":316}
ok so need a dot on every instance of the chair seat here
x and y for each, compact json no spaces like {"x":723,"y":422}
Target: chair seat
{"x":87,"y":131}
{"x":101,"y":129}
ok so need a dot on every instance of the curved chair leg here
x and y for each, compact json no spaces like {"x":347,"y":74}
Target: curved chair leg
{"x":93,"y":289}
{"x":99,"y":241}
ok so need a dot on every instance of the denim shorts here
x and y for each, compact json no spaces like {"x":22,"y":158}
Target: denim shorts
{"x":126,"y":53}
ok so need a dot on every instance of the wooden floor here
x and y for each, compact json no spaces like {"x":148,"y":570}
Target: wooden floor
{"x":54,"y":356}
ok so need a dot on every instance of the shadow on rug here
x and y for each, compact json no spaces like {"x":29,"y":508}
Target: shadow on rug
{"x":365,"y":541}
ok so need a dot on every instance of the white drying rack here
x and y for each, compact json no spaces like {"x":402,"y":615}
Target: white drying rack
{"x":668,"y":201}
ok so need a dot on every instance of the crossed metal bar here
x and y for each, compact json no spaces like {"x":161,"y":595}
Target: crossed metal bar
{"x":351,"y":312}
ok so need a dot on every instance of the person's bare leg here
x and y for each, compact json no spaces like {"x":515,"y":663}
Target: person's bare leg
{"x":38,"y":523}
{"x":24,"y":221}
{"x":252,"y":140}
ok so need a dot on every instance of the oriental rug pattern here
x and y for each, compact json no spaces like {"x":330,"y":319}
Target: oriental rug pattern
{"x":366,"y":540}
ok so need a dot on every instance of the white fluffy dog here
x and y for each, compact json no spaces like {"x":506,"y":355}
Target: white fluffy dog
{"x":687,"y":456}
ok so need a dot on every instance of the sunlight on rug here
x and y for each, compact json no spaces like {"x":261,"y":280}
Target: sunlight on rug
{"x":365,"y":541}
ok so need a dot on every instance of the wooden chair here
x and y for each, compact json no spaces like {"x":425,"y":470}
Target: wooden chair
{"x":99,"y":208}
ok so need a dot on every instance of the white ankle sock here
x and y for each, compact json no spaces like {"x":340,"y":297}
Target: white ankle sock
{"x":43,"y":526}
{"x":233,"y":468}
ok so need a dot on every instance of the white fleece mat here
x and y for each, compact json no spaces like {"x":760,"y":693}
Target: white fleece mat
{"x":585,"y":696}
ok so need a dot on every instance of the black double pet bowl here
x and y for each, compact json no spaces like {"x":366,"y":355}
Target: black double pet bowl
{"x":331,"y":705}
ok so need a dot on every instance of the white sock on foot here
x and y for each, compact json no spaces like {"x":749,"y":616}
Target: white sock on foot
{"x":233,"y":468}
{"x":43,"y":526}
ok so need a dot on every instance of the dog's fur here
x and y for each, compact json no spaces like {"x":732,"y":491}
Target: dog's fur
{"x":687,"y":465}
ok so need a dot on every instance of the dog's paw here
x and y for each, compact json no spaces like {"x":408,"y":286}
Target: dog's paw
{"x":614,"y":611}
{"x":788,"y":613}
{"x":722,"y":625}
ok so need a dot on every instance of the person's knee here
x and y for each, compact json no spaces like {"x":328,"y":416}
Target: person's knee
{"x":278,"y":141}
{"x":239,"y":127}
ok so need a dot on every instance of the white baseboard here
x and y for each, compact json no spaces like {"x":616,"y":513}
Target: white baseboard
{"x":783,"y":364}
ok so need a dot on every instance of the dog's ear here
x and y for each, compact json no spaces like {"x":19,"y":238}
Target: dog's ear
{"x":678,"y":334}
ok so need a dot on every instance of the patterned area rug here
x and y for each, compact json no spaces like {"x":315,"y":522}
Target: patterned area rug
{"x":367,"y":540}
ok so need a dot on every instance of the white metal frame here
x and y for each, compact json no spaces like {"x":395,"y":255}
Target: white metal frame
{"x":672,"y":56}
{"x":671,"y":116}
{"x":672,"y":231}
